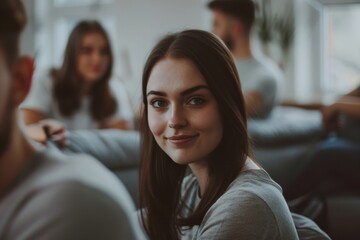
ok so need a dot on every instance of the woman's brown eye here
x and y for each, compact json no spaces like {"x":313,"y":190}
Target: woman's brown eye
{"x":104,"y":52}
{"x":158,"y":103}
{"x":196,"y":101}
{"x":86,"y":50}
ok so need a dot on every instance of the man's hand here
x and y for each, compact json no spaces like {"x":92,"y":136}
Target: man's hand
{"x":48,"y":130}
{"x":330,"y":117}
{"x":118,"y":124}
{"x":254,"y":102}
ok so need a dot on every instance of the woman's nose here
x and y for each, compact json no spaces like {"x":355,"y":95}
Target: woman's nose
{"x":96,"y":57}
{"x":177,"y":118}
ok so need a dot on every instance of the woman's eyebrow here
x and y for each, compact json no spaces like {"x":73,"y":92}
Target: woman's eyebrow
{"x":183,"y":93}
{"x":157,"y":93}
{"x":193,"y":89}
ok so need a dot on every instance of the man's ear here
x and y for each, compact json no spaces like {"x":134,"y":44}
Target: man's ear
{"x":239,"y":28}
{"x":22,"y":76}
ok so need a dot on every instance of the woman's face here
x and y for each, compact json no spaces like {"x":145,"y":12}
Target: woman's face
{"x":93,"y":59}
{"x":183,"y":114}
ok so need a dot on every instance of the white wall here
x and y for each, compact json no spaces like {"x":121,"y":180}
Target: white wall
{"x":141,"y":23}
{"x":27,"y":39}
{"x":307,"y":50}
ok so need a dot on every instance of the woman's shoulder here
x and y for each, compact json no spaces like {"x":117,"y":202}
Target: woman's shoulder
{"x":44,"y":77}
{"x":116,"y":84}
{"x":255,"y":190}
{"x":252,"y":184}
{"x":256,"y":184}
{"x":252,"y":200}
{"x":40,"y":95}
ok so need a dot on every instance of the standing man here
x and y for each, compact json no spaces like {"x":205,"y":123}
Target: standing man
{"x":44,"y":194}
{"x":232,"y":22}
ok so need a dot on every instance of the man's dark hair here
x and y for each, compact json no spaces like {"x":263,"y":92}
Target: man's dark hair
{"x":12,"y":22}
{"x":243,"y":10}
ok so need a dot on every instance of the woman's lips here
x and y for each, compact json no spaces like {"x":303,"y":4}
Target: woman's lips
{"x":180,"y":140}
{"x":96,"y":70}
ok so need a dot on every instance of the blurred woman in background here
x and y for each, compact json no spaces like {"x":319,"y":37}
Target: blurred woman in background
{"x":81,"y":94}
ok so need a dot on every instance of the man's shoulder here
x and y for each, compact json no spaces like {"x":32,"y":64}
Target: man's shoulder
{"x":76,"y":192}
{"x":258,"y":70}
{"x":52,"y":173}
{"x":267,"y":67}
{"x":58,"y":168}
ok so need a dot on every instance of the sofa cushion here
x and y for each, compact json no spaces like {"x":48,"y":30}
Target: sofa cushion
{"x":116,"y":149}
{"x":286,"y":125}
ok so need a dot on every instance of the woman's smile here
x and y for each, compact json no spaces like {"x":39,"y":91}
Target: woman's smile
{"x":181,"y":141}
{"x":183,"y":114}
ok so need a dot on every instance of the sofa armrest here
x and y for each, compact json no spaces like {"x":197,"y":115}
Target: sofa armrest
{"x":116,"y":149}
{"x":286,"y":125}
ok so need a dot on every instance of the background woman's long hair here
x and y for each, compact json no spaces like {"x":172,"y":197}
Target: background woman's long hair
{"x":160,"y":177}
{"x":68,"y":83}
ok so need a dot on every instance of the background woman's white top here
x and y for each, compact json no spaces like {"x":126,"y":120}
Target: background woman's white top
{"x":41,"y":99}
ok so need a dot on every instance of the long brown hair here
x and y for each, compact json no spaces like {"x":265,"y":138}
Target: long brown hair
{"x":160,"y":177}
{"x":68,"y":82}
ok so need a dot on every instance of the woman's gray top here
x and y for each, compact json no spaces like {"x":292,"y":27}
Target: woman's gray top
{"x":251,"y":208}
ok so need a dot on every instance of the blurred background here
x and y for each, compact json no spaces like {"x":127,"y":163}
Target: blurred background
{"x":315,"y":42}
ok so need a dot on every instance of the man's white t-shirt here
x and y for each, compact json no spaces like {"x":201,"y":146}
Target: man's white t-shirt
{"x":259,"y":75}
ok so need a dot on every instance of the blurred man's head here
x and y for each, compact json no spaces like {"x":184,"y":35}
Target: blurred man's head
{"x":232,"y":19}
{"x":12,"y":78}
{"x":12,"y":22}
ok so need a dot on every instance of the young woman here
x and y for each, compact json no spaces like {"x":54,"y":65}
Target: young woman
{"x":194,"y":116}
{"x":80,"y":94}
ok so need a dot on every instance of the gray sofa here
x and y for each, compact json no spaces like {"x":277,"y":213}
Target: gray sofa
{"x":283,"y":142}
{"x":117,"y":150}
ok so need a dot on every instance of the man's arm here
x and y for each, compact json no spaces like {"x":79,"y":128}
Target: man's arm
{"x":354,"y":93}
{"x":261,"y":98}
{"x":349,"y":107}
{"x":254,"y":103}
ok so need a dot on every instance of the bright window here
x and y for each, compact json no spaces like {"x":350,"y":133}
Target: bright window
{"x":67,"y":3}
{"x":342,"y":48}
